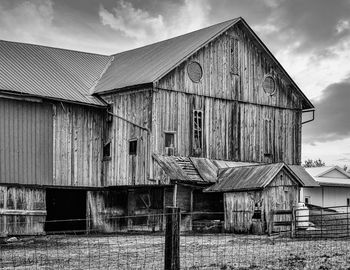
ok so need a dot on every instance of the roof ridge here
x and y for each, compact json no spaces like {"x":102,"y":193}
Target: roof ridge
{"x":182,"y":35}
{"x":55,"y":48}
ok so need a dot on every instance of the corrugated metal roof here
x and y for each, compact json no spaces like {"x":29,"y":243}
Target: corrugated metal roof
{"x":72,"y":75}
{"x":304,"y":176}
{"x":50,"y":72}
{"x":149,"y":63}
{"x":182,"y":169}
{"x":206,"y":168}
{"x":248,"y":177}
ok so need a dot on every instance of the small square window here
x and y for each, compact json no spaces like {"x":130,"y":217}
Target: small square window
{"x":169,"y":139}
{"x":133,"y":147}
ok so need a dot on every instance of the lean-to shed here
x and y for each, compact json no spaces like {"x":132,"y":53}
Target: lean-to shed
{"x":252,"y":192}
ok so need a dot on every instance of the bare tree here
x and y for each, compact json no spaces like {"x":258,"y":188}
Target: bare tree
{"x":313,"y":163}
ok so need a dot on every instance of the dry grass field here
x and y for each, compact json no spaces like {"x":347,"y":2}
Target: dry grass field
{"x":209,"y":251}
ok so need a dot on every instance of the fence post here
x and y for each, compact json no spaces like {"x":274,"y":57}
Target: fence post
{"x":172,"y":239}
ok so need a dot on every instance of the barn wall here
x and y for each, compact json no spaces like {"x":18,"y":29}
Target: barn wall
{"x":217,"y":60}
{"x":242,"y":122}
{"x":22,"y":211}
{"x":123,"y":168}
{"x":232,"y":131}
{"x":77,"y":145}
{"x":25,"y":142}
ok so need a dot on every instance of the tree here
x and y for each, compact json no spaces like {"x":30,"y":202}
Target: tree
{"x":313,"y":163}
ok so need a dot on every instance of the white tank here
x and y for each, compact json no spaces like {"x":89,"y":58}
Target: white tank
{"x":302,"y":216}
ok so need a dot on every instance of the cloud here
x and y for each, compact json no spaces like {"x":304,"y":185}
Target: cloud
{"x":144,"y":27}
{"x":332,"y":115}
{"x":26,"y":21}
{"x":134,"y":23}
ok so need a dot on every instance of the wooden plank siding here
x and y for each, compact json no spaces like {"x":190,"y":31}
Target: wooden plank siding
{"x":25,"y":142}
{"x":233,"y":131}
{"x":22,"y":211}
{"x":218,"y":81}
{"x":123,"y":168}
{"x":77,"y":146}
{"x":241,"y":121}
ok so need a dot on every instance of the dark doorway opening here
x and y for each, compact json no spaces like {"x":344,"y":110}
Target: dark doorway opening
{"x":66,"y":210}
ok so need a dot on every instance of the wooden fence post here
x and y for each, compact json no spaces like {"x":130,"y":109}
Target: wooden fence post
{"x":172,"y":239}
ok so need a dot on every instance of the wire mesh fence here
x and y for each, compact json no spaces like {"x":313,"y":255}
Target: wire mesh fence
{"x":138,"y":242}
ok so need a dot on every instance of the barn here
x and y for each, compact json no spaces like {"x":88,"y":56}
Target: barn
{"x":252,"y":193}
{"x":131,"y":133}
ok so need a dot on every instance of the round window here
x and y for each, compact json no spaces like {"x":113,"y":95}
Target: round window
{"x":194,"y":71}
{"x":269,"y":84}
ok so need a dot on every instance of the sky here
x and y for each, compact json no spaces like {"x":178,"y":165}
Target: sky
{"x":310,"y":38}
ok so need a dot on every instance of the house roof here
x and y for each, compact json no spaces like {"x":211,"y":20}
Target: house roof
{"x":251,"y":177}
{"x":76,"y":76}
{"x":50,"y":72}
{"x":322,"y":175}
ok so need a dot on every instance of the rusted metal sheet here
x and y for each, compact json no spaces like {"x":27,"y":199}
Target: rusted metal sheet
{"x":206,"y":169}
{"x":50,"y":72}
{"x":184,"y":169}
{"x":172,"y":168}
{"x":304,"y":176}
{"x":25,"y":142}
{"x":249,"y":177}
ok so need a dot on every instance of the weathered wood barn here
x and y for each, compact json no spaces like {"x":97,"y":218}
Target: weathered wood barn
{"x":133,"y":132}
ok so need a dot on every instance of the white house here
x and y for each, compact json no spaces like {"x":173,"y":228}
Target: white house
{"x":334,"y":189}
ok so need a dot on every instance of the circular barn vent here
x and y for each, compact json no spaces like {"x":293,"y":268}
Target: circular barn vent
{"x":194,"y":71}
{"x":269,"y":84}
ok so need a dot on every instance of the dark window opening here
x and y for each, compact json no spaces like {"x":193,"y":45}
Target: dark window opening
{"x":107,"y":151}
{"x":197,"y":139}
{"x":169,"y":139}
{"x":133,"y":147}
{"x":307,"y":200}
{"x":348,"y":201}
{"x":256,"y":214}
{"x":169,"y":143}
{"x":268,"y":138}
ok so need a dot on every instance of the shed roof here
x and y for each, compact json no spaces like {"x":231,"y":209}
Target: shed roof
{"x":249,"y":177}
{"x":50,"y":72}
{"x":193,"y":169}
{"x":304,"y":176}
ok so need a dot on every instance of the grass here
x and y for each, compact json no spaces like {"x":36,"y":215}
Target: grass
{"x":197,"y":251}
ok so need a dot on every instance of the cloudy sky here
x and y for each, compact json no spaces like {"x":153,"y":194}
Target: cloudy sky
{"x":311,"y":39}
